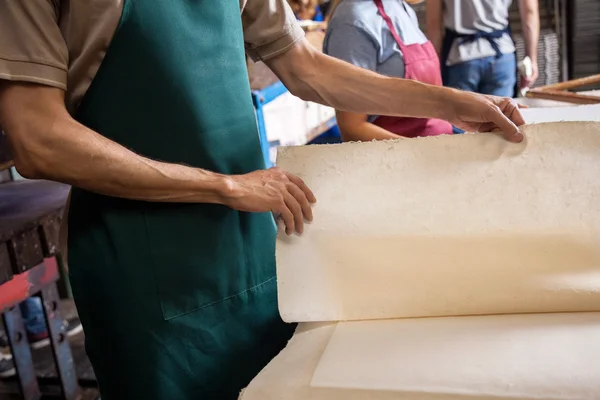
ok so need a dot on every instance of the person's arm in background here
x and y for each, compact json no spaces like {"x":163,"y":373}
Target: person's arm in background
{"x":355,"y":127}
{"x":352,"y":44}
{"x":530,"y":22}
{"x":434,"y":10}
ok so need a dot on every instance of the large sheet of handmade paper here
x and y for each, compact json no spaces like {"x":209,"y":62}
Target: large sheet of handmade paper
{"x":502,"y":357}
{"x":452,"y":225}
{"x":535,"y":356}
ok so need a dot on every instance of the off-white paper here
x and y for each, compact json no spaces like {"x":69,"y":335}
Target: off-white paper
{"x":451,"y":225}
{"x":448,"y":225}
{"x":562,"y":114}
{"x":540,"y":356}
{"x":506,"y":357}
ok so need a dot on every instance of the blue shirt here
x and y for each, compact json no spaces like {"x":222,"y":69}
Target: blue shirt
{"x":359,"y":35}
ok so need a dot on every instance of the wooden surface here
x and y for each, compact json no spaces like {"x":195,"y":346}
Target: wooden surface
{"x":574,"y":83}
{"x":566,"y":97}
{"x":30,"y":212}
{"x":559,"y":91}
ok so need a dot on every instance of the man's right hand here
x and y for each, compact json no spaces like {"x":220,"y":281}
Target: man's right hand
{"x":272,"y":190}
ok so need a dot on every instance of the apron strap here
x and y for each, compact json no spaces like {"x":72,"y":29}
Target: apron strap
{"x":491,"y":37}
{"x":390,"y":24}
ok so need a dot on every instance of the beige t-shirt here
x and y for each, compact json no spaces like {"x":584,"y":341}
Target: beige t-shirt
{"x":62,"y":43}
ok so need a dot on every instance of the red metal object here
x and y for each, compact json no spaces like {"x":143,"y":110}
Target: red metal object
{"x":24,"y":285}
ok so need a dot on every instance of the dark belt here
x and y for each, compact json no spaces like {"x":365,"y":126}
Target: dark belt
{"x":450,"y":36}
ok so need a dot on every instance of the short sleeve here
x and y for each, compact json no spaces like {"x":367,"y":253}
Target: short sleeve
{"x":32,"y":48}
{"x":351,"y":44}
{"x":270,"y":28}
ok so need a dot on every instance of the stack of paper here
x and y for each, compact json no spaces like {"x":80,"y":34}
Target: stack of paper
{"x":465,"y":267}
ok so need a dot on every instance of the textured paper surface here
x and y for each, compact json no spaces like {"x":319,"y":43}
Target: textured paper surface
{"x":538,"y":356}
{"x":557,"y":369}
{"x":450,"y":225}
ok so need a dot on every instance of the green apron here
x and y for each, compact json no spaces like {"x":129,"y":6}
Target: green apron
{"x":178,"y":301}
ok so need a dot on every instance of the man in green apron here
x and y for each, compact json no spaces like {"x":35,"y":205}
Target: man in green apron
{"x":144,"y":107}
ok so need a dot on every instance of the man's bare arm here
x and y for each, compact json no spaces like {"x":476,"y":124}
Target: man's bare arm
{"x":314,"y":76}
{"x":434,"y":10}
{"x":48,"y":143}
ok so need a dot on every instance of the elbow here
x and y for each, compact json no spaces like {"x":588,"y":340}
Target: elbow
{"x":301,"y":84}
{"x":30,"y":116}
{"x":31,"y":155}
{"x":28,"y":169}
{"x":29,"y":166}
{"x":301,"y":72}
{"x":303,"y":91}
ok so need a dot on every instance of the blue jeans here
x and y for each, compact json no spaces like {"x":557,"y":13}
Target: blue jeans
{"x":33,"y":316}
{"x":489,"y":75}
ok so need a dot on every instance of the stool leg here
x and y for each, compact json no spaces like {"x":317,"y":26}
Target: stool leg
{"x":60,"y":343}
{"x":17,"y":337}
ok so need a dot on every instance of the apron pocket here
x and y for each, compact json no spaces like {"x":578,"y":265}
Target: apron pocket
{"x":200,"y":255}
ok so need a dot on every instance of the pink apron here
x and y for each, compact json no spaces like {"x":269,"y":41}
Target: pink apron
{"x":421,"y":64}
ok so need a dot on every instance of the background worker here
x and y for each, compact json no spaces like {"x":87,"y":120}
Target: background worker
{"x":383,"y":36}
{"x":144,"y":106}
{"x":475,"y":45}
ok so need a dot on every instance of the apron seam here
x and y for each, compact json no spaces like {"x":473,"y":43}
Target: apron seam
{"x":234,"y":295}
{"x":216,"y":302}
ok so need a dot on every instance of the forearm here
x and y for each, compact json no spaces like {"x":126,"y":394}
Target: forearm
{"x":531,"y":27}
{"x":49,"y":144}
{"x":87,"y":160}
{"x":353,"y":89}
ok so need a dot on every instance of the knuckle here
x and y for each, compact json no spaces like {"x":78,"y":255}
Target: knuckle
{"x":494,"y":109}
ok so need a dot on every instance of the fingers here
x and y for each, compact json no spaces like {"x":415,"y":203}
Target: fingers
{"x":287,"y":216}
{"x":298,"y":218}
{"x":506,"y":115}
{"x":302,"y":200}
{"x":295,"y":202}
{"x":511,"y":132}
{"x":300,"y":183}
{"x":513,"y":111}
